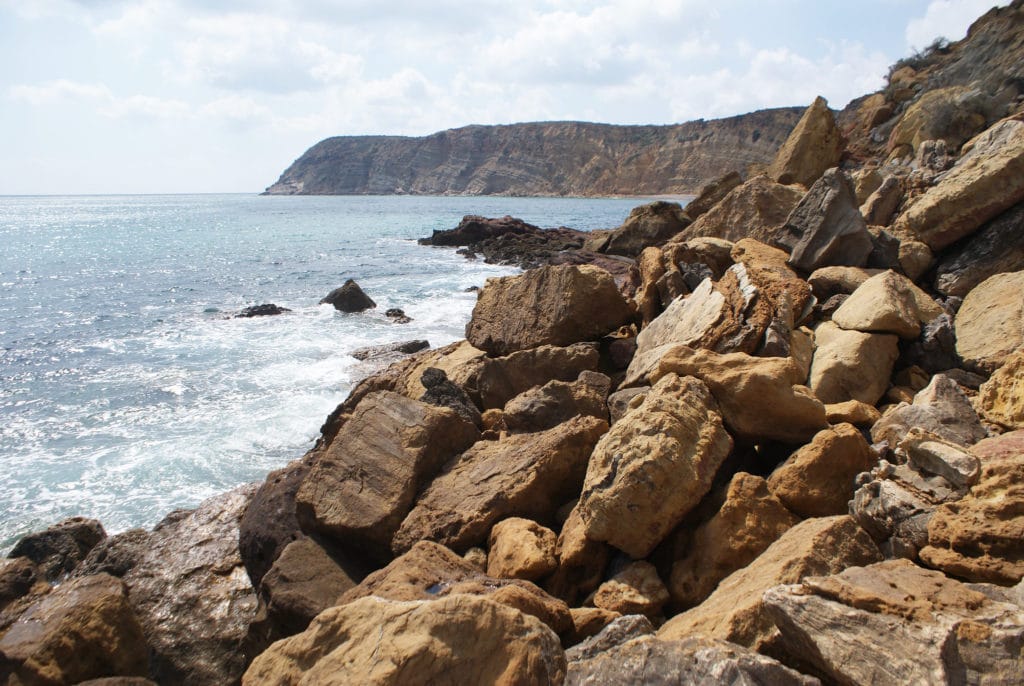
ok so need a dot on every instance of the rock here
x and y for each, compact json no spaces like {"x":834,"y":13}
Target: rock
{"x":735,"y":612}
{"x":887,"y":303}
{"x":885,"y":249}
{"x":915,"y":259}
{"x":508,"y":240}
{"x":879,"y":208}
{"x":454,"y":640}
{"x":711,"y":194}
{"x":927,"y":452}
{"x":853,"y":412}
{"x":521,"y":549}
{"x":952,"y":114}
{"x":693,"y":660}
{"x":389,"y":351}
{"x":544,"y":407}
{"x":996,"y":248}
{"x":621,"y":402}
{"x":192,"y":595}
{"x":651,"y":267}
{"x":893,"y":622}
{"x":501,"y":379}
{"x":818,"y":479}
{"x":557,"y":305}
{"x":981,"y":537}
{"x":264,"y":310}
{"x":636,"y":590}
{"x":759,"y":397}
{"x":935,"y":350}
{"x":443,"y":393}
{"x":349,"y":298}
{"x":581,"y":560}
{"x":749,"y":520}
{"x":269,"y":523}
{"x":119,"y":681}
{"x":987,"y":180}
{"x":851,"y":365}
{"x":363,"y":485}
{"x":84,"y":629}
{"x":1001,"y":398}
{"x":654,"y":466}
{"x":620,"y":630}
{"x":941,"y":408}
{"x":398,"y":315}
{"x":828,"y":281}
{"x":58,"y":549}
{"x":647,"y":225}
{"x":894,"y":503}
{"x":990,"y":323}
{"x":753,"y":210}
{"x":430,"y":571}
{"x":17,"y":577}
{"x":590,"y":621}
{"x":814,"y":145}
{"x":866,"y":180}
{"x":525,"y":475}
{"x":474,"y":229}
{"x":114,"y":555}
{"x":826,"y":227}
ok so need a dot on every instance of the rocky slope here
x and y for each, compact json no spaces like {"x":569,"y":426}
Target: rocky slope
{"x":538,"y":159}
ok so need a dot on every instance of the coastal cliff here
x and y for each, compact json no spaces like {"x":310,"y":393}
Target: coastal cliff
{"x":541,"y":159}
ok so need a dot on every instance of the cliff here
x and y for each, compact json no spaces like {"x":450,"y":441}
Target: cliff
{"x":549,"y":158}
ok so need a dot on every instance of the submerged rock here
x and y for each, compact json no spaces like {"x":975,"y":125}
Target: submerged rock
{"x":264,"y":310}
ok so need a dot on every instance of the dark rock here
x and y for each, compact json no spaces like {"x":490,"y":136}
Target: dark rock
{"x":443,"y":393}
{"x":619,"y":631}
{"x":382,"y":353}
{"x":935,"y":350}
{"x":264,"y":310}
{"x":118,"y":681}
{"x":617,"y":353}
{"x":269,"y":522}
{"x":398,"y":316}
{"x":60,"y":548}
{"x":619,"y":403}
{"x":17,"y":577}
{"x":711,"y":194}
{"x":114,"y":555}
{"x":647,"y":225}
{"x":474,"y":229}
{"x":349,"y":298}
{"x":543,"y":407}
{"x":502,"y":378}
{"x":885,"y":250}
{"x":997,"y":247}
{"x":508,"y":240}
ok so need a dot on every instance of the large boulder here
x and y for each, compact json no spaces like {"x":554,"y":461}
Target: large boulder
{"x":654,"y":466}
{"x":556,"y":401}
{"x":753,"y":210}
{"x":735,"y":612}
{"x":455,"y":640}
{"x":940,"y":407}
{"x":986,"y":181}
{"x":636,"y":589}
{"x":826,"y":227}
{"x":557,"y":305}
{"x":349,"y":298}
{"x":647,"y":225}
{"x":996,"y":248}
{"x":269,"y":523}
{"x":192,"y":595}
{"x":500,"y":379}
{"x":952,"y":114}
{"x":361,"y":488}
{"x":990,"y":323}
{"x":581,"y":560}
{"x":82,"y":630}
{"x":895,"y":623}
{"x":1001,"y":398}
{"x":887,"y":303}
{"x":711,"y":194}
{"x":814,"y":145}
{"x":851,"y":365}
{"x":58,"y":549}
{"x":521,"y":549}
{"x":526,"y":475}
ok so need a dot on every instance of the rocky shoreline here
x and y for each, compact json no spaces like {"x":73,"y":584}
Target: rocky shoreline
{"x":776,"y":436}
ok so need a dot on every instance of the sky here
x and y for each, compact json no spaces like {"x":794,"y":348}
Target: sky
{"x":183,"y":96}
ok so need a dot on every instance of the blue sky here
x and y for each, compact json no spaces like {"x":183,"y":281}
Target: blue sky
{"x":154,"y":96}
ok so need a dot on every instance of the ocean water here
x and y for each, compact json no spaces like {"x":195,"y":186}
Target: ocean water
{"x":127,"y":390}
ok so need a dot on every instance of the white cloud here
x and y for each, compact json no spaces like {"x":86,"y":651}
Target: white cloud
{"x":61,"y":90}
{"x":948,"y":19}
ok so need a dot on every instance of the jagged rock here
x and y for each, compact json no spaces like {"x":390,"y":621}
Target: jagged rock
{"x":349,"y":298}
{"x":981,"y":537}
{"x":711,"y":194}
{"x":867,"y":179}
{"x":990,"y":323}
{"x":521,"y":549}
{"x":58,"y":549}
{"x":692,"y":660}
{"x":1001,"y":398}
{"x":454,"y":640}
{"x":998,"y":247}
{"x":753,"y":210}
{"x":474,"y":229}
{"x":18,"y":575}
{"x":635,"y":590}
{"x":501,"y":379}
{"x":654,"y":466}
{"x":119,"y":681}
{"x":114,"y":555}
{"x":881,"y":205}
{"x":557,"y":305}
{"x":941,"y":408}
{"x":363,"y":485}
{"x":952,"y":114}
{"x":269,"y":523}
{"x":826,"y":228}
{"x":935,"y":350}
{"x":887,"y":303}
{"x":264,"y":310}
{"x":818,"y":479}
{"x":987,"y":180}
{"x":398,"y":315}
{"x":555,"y":402}
{"x":581,"y":560}
{"x":760,"y":398}
{"x":84,"y":629}
{"x":647,"y":225}
{"x":526,"y":475}
{"x":749,"y":520}
{"x":851,"y":365}
{"x":429,"y":570}
{"x":713,"y":253}
{"x":894,"y":506}
{"x":617,"y":631}
{"x":814,"y":145}
{"x":893,"y":622}
{"x":853,"y":412}
{"x":735,"y":612}
{"x":389,"y":352}
{"x":192,"y":595}
{"x":443,"y":393}
{"x":828,"y":281}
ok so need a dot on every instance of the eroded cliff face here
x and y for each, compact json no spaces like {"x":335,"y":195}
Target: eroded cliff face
{"x":552,"y":158}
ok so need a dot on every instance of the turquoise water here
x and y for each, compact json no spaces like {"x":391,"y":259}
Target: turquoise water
{"x":126,"y":390}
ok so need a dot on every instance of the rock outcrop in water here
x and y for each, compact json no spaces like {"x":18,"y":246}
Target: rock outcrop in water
{"x":697,"y":472}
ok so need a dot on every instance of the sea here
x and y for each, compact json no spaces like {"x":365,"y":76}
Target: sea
{"x":127,"y":387}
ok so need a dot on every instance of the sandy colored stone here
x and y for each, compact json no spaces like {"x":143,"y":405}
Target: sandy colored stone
{"x":915,"y":258}
{"x":828,"y":281}
{"x":581,"y":561}
{"x":818,"y":479}
{"x":952,"y":114}
{"x":853,"y":412}
{"x":654,"y":466}
{"x":851,"y":365}
{"x":814,"y":145}
{"x":753,"y":210}
{"x":651,"y":265}
{"x":455,"y":640}
{"x":887,"y":303}
{"x":749,"y":520}
{"x":589,"y":621}
{"x":711,"y":194}
{"x":636,"y":590}
{"x":1001,"y":398}
{"x":878,"y":208}
{"x":990,"y":323}
{"x":647,"y":225}
{"x":735,"y":611}
{"x":500,"y":379}
{"x":521,"y":549}
{"x":940,"y":408}
{"x":930,"y":453}
{"x":556,"y":401}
